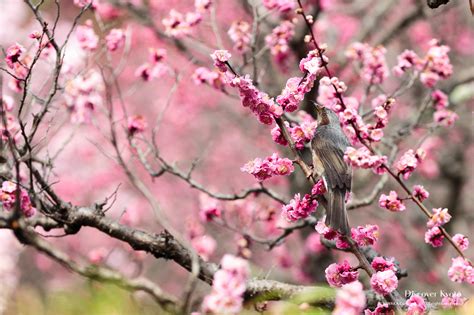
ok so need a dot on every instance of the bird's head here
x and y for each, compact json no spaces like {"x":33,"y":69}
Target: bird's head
{"x":325,"y":116}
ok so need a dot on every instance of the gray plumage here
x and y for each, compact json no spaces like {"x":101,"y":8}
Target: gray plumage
{"x":329,"y":144}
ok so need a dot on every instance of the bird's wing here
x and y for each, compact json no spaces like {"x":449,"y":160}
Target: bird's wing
{"x":329,"y":145}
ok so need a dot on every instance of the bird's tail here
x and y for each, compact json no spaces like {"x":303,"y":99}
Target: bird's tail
{"x":336,"y":217}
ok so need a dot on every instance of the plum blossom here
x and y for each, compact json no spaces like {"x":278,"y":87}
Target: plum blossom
{"x":381,"y":309}
{"x":437,"y":65}
{"x":439,"y":217}
{"x":257,"y":101}
{"x":461,"y":271}
{"x":434,"y":237}
{"x":365,"y":235}
{"x":339,"y":274}
{"x":391,"y":202}
{"x":384,"y":282}
{"x":374,"y":66}
{"x":204,"y":245}
{"x":327,"y":94}
{"x":8,"y":193}
{"x":452,"y":301}
{"x":300,"y":134}
{"x":382,"y":264}
{"x":363,"y":158}
{"x":202,"y":5}
{"x":208,"y":208}
{"x":415,"y":305}
{"x":420,"y":192}
{"x":239,"y":33}
{"x":440,"y":99}
{"x":330,"y":234}
{"x":462,"y":241}
{"x":87,"y":38}
{"x":203,"y":75}
{"x":270,"y":166}
{"x":350,"y":299}
{"x":179,"y":25}
{"x":407,"y":163}
{"x":136,"y":124}
{"x":220,"y":57}
{"x":278,"y":41}
{"x":299,"y":208}
{"x":408,"y":59}
{"x":319,"y":188}
{"x":228,"y":287}
{"x":115,"y":39}
{"x":155,"y":68}
{"x":14,"y":54}
{"x":445,"y":117}
{"x":280,"y":5}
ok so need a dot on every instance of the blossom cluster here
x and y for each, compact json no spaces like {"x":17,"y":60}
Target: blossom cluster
{"x":178,"y":25}
{"x":228,"y":287}
{"x":384,"y":282}
{"x":299,"y":208}
{"x":8,"y":194}
{"x":339,"y":274}
{"x":434,"y":235}
{"x":461,"y":270}
{"x":86,"y":36}
{"x":409,"y":161}
{"x":391,"y":202}
{"x":374,"y":66}
{"x":442,"y":116}
{"x":155,"y":67}
{"x":268,"y":167}
{"x":300,"y":133}
{"x":415,"y":305}
{"x":420,"y":192}
{"x":279,"y":41}
{"x":435,"y":66}
{"x":363,"y":158}
{"x":239,"y":33}
{"x":136,"y":124}
{"x":350,"y":299}
{"x":18,"y":60}
{"x":280,"y":5}
{"x":10,"y":130}
{"x":83,"y":94}
{"x":203,"y":75}
{"x":365,"y":235}
{"x":115,"y":39}
{"x":330,"y":234}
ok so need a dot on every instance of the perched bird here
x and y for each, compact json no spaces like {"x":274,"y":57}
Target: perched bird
{"x":328,"y":147}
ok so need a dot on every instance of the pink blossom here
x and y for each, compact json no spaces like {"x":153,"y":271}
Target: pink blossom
{"x":440,"y":100}
{"x":202,"y":5}
{"x":14,"y":53}
{"x":374,"y":66}
{"x":452,"y":301}
{"x":462,"y":241}
{"x":384,"y":282}
{"x":363,"y":158}
{"x":299,"y":208}
{"x":437,"y":64}
{"x":415,"y":305}
{"x":292,"y":94}
{"x":83,"y":3}
{"x":381,"y":309}
{"x":339,"y":274}
{"x":461,"y":271}
{"x":228,"y":287}
{"x":8,"y":193}
{"x":148,"y":72}
{"x":220,"y":57}
{"x":406,"y":60}
{"x":279,"y":39}
{"x":439,"y":217}
{"x":87,"y":38}
{"x":328,"y":96}
{"x":319,"y":188}
{"x":6,"y":103}
{"x":445,"y":117}
{"x":382,"y":264}
{"x":350,"y":299}
{"x":209,"y":208}
{"x":313,"y":63}
{"x":136,"y":124}
{"x":280,"y":5}
{"x":215,"y":79}
{"x":420,"y":192}
{"x":273,"y":165}
{"x":259,"y":102}
{"x":204,"y":245}
{"x":115,"y":39}
{"x":330,"y":234}
{"x":313,"y":243}
{"x":391,"y":202}
{"x":277,"y":135}
{"x":240,"y":34}
{"x":98,"y":255}
{"x":407,"y":163}
{"x":176,"y":24}
{"x":434,"y":237}
{"x":365,"y":235}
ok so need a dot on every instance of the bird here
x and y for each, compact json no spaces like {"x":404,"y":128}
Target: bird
{"x":328,"y":146}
